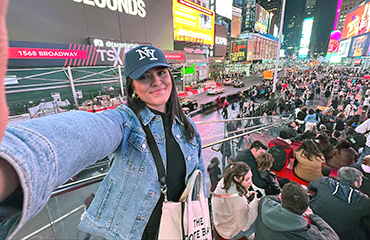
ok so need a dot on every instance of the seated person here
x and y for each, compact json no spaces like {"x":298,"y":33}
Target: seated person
{"x":341,"y":204}
{"x":324,"y":145}
{"x":292,"y":130}
{"x":342,"y":155}
{"x":283,"y":141}
{"x":249,"y":156}
{"x":365,"y":169}
{"x":308,"y":161}
{"x":233,"y":214}
{"x":289,"y":217}
{"x":264,"y":164}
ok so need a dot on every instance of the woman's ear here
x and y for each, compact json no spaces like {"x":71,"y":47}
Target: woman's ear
{"x":236,"y":180}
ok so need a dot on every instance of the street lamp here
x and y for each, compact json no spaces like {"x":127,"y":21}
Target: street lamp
{"x":279,"y":45}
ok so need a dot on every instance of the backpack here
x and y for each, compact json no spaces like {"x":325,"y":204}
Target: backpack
{"x":357,"y":140}
{"x":280,"y":157}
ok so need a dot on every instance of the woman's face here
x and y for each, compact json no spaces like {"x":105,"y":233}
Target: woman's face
{"x":154,"y":88}
{"x":246,"y":181}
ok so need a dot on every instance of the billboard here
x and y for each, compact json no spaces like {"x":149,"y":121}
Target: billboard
{"x":220,"y":41}
{"x":334,"y":41}
{"x":236,"y":23}
{"x":306,"y":37}
{"x":262,"y":24}
{"x":358,"y":46}
{"x":193,"y":23}
{"x":344,"y":47}
{"x":73,"y":21}
{"x":357,"y":22}
{"x":225,"y":8}
{"x":239,"y":51}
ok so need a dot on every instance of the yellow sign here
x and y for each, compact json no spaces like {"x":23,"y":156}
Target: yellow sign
{"x":193,"y":23}
{"x":268,"y":74}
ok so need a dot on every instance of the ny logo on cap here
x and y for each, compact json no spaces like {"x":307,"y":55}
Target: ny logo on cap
{"x":145,"y":52}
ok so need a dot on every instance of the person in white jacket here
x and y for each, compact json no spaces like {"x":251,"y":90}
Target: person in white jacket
{"x":350,"y":110}
{"x":234,"y":208}
{"x":364,"y":128}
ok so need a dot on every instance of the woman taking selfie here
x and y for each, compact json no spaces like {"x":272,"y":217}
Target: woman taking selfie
{"x":233,"y":214}
{"x":46,"y":152}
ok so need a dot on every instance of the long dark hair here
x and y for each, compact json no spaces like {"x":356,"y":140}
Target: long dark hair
{"x":172,"y":105}
{"x":309,"y":149}
{"x":238,"y":170}
{"x":324,"y":145}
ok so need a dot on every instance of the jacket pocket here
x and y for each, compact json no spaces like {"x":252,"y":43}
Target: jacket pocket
{"x":103,"y":202}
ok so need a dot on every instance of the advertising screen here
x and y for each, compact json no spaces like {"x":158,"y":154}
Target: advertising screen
{"x":344,"y":47}
{"x":70,"y":21}
{"x":224,"y":8}
{"x":334,"y":41}
{"x":306,"y":37}
{"x":220,"y":40}
{"x":239,"y":50}
{"x":193,"y":23}
{"x":358,"y":46}
{"x":357,"y":22}
{"x":262,"y":20}
{"x":236,"y":23}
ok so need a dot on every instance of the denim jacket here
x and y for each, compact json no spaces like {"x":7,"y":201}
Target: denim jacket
{"x":46,"y":152}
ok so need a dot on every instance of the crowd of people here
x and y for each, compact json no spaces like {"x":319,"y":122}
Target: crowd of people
{"x":330,"y":138}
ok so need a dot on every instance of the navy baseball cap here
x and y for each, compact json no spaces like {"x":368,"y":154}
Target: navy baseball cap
{"x":142,"y":58}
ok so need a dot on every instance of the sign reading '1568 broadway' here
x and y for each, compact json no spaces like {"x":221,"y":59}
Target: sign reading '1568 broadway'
{"x":31,"y":54}
{"x":132,"y":7}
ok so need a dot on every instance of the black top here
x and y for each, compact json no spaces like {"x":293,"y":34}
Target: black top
{"x":176,"y":172}
{"x":247,"y":157}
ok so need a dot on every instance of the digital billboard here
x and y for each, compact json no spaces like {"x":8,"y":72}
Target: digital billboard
{"x":236,"y":23}
{"x":70,"y":21}
{"x":358,"y":46}
{"x":262,"y":24}
{"x":220,"y":41}
{"x":193,"y":23}
{"x":357,"y":22}
{"x":334,"y":41}
{"x":225,"y":8}
{"x":344,"y":47}
{"x":239,"y":51}
{"x":306,"y":37}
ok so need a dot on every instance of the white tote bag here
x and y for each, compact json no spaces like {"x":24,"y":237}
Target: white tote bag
{"x":189,"y":218}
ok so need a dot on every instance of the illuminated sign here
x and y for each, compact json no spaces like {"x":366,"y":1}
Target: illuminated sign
{"x":239,"y":51}
{"x":132,"y":7}
{"x":262,"y":20}
{"x":221,"y":41}
{"x":26,"y":54}
{"x":189,"y":70}
{"x":357,"y":21}
{"x":306,"y":37}
{"x":219,"y":48}
{"x":224,"y":8}
{"x":236,"y":22}
{"x":193,"y":23}
{"x":358,"y":46}
{"x":334,"y":41}
{"x":106,"y":42}
{"x":344,"y":47}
